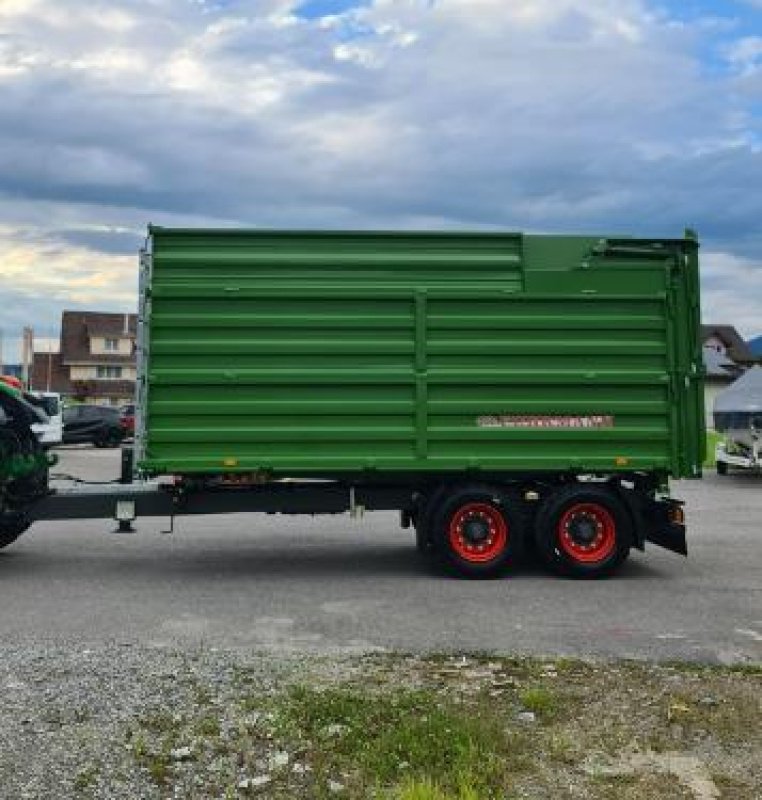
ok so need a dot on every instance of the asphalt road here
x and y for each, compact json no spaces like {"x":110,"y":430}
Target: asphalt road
{"x":337,"y":585}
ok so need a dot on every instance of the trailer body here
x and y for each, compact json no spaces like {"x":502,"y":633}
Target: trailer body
{"x":336,"y":354}
{"x":501,"y":391}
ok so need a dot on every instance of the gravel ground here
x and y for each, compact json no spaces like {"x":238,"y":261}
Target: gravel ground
{"x":125,"y":721}
{"x":67,"y":713}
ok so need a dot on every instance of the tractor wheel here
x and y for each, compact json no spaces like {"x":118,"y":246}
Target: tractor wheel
{"x":12,"y":525}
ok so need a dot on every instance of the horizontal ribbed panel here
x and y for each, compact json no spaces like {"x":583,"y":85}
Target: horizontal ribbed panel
{"x":306,"y":353}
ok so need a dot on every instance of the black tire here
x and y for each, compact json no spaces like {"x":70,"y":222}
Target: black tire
{"x":475,"y":531}
{"x":12,"y":525}
{"x":584,"y":531}
{"x":722,"y":468}
{"x":114,"y":438}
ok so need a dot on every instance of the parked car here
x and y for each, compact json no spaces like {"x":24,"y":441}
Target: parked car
{"x":49,"y":432}
{"x":127,"y":419}
{"x":99,"y":425}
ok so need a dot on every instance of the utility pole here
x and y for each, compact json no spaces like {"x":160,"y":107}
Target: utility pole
{"x":27,"y":355}
{"x":50,"y":365}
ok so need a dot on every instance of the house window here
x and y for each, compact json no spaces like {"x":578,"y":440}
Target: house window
{"x":112,"y":345}
{"x":108,"y":373}
{"x":714,"y":343}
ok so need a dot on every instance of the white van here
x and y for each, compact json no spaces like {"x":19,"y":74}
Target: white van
{"x":49,"y":433}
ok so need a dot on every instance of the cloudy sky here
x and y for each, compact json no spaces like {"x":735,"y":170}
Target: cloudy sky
{"x":597,"y":116}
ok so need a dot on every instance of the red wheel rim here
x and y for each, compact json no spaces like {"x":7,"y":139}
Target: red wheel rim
{"x":587,"y":533}
{"x":478,"y":533}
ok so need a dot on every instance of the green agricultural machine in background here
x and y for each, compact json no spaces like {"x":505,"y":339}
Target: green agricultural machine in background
{"x":23,"y":462}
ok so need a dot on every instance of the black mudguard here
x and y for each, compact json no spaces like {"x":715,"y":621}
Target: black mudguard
{"x":664,"y":525}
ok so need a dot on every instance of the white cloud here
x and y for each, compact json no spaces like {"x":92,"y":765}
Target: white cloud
{"x":534,"y":114}
{"x":732,"y":291}
{"x":70,"y":273}
{"x":13,"y":8}
{"x":745,"y":54}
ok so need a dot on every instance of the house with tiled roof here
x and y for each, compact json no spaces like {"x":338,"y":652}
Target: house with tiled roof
{"x":726,"y":340}
{"x":726,"y":357}
{"x":96,"y":362}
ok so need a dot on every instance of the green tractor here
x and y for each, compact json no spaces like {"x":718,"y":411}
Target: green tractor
{"x":24,"y":463}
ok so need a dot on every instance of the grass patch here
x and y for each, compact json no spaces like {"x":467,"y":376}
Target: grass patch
{"x":426,"y":789}
{"x":446,"y":728}
{"x":157,"y":764}
{"x":541,"y":700}
{"x":86,"y":779}
{"x":712,"y":439}
{"x":378,"y":737}
{"x":207,"y":727}
{"x":201,"y":695}
{"x":751,"y":670}
{"x":158,"y":722}
{"x":561,"y":748}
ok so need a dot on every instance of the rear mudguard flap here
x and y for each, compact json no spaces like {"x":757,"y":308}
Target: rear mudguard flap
{"x":663,"y":527}
{"x":653,"y":521}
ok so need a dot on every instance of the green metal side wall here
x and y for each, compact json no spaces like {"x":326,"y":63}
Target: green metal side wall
{"x":330,"y":353}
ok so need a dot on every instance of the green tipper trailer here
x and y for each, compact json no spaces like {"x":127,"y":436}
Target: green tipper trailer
{"x":512,"y":388}
{"x":500,"y":391}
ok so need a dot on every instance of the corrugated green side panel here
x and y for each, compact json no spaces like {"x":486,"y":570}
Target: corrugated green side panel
{"x":329,"y":353}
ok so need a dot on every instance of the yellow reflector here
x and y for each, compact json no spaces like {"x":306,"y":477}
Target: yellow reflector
{"x":230,"y":462}
{"x":621,"y":461}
